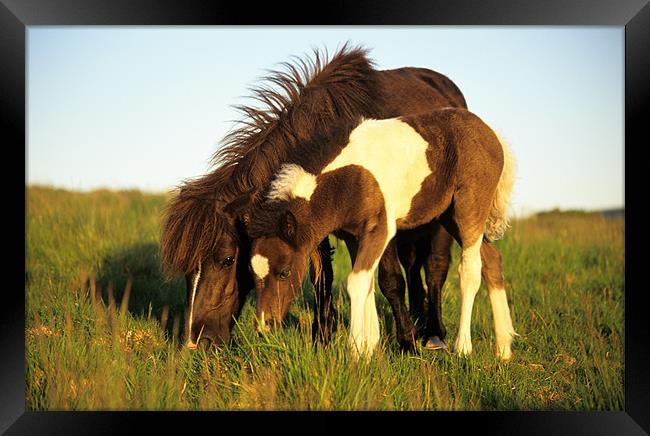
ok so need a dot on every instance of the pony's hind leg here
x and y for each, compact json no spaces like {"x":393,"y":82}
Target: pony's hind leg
{"x":493,"y":276}
{"x":470,"y":281}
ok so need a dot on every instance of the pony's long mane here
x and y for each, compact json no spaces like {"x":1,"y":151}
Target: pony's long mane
{"x":312,"y":95}
{"x":302,"y":101}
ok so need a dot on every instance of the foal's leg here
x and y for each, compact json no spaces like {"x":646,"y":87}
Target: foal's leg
{"x":370,"y":309}
{"x":470,"y":281}
{"x":436,"y":268}
{"x":323,"y":323}
{"x":359,"y":286}
{"x":493,"y":276}
{"x":370,"y":319}
{"x":364,"y":325}
{"x":392,"y":285}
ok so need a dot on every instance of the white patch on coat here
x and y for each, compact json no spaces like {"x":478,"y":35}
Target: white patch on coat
{"x":260,"y":265}
{"x":292,"y":181}
{"x":395,"y":154}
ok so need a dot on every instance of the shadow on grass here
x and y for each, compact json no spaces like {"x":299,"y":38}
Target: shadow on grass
{"x":151,"y":294}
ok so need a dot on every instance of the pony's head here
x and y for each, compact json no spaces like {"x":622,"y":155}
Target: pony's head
{"x":204,"y":242}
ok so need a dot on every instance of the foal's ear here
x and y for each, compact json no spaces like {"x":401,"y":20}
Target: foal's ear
{"x":288,"y":226}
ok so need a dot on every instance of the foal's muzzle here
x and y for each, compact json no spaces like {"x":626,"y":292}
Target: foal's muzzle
{"x":263,"y":327}
{"x":266,"y":325}
{"x":205,"y":343}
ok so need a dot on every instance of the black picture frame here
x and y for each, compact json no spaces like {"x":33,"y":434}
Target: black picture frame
{"x":16,"y":15}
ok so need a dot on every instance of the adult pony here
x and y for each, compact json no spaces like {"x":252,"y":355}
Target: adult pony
{"x":204,"y":231}
{"x":370,"y":178}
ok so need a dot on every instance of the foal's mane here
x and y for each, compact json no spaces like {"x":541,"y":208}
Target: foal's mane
{"x":302,"y":101}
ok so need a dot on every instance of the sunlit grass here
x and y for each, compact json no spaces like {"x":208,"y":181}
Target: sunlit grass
{"x":86,"y":350}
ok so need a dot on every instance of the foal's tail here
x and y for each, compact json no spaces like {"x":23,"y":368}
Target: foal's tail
{"x":497,"y":222}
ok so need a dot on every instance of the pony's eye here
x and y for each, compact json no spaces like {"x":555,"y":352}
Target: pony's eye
{"x":228,"y":261}
{"x":285,"y":274}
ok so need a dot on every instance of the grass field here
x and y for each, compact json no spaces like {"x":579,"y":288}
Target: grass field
{"x":102,"y":325}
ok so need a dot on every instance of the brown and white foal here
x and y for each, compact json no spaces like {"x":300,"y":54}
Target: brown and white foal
{"x":373,"y":178}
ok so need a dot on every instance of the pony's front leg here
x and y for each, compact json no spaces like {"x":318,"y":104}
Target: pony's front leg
{"x":470,"y":281}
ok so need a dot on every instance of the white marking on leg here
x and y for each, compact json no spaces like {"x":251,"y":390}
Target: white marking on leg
{"x":371,"y":322}
{"x":260,"y":265}
{"x":357,"y":285}
{"x":364,"y":324}
{"x":470,"y":281}
{"x":503,"y":329}
{"x":190,"y":343}
{"x":367,"y":287}
{"x":292,"y":181}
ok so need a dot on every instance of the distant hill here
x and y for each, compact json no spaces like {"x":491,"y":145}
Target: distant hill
{"x":608,"y":213}
{"x":613,"y":213}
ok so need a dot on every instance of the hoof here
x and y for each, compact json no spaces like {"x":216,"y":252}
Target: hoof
{"x":434,"y":343}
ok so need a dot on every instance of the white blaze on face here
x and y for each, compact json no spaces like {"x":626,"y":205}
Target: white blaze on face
{"x":394,"y":153}
{"x":190,"y":343}
{"x":260,"y":265}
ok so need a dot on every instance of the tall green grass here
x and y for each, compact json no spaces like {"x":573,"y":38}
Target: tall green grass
{"x":92,"y":346}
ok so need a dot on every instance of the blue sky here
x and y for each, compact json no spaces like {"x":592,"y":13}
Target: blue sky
{"x":145,"y":107}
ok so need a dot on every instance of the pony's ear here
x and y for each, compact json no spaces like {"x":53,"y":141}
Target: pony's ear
{"x":288,"y":226}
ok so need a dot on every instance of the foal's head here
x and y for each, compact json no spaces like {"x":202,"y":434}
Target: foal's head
{"x":279,"y":254}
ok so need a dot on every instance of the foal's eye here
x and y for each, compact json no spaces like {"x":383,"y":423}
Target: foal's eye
{"x":284,"y":274}
{"x":228,"y":261}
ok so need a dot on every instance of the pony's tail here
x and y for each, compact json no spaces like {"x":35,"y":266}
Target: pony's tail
{"x":497,"y":222}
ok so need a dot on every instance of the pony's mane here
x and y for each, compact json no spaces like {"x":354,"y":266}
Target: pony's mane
{"x":312,"y":95}
{"x":304,"y":101}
